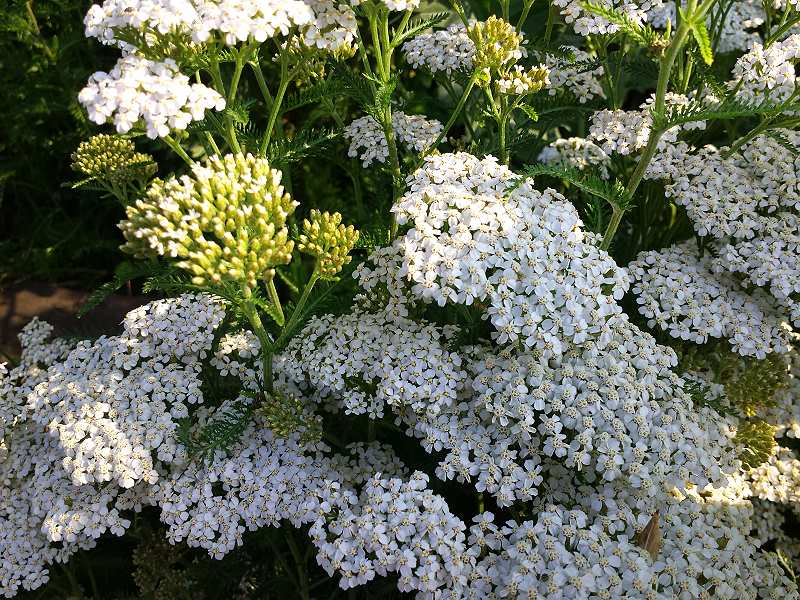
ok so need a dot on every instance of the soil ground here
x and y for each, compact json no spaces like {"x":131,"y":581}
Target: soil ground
{"x":58,"y":306}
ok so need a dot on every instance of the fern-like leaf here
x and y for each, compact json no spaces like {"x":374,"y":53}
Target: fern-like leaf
{"x":125,"y":272}
{"x":417,"y":26}
{"x":611,"y":192}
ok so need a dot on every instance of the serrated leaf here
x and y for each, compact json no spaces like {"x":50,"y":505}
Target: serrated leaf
{"x":700,"y":35}
{"x":271,"y":310}
{"x":305,"y":144}
{"x":124,"y":272}
{"x":312,"y":94}
{"x":529,"y":111}
{"x":591,"y":184}
{"x":419,"y":25}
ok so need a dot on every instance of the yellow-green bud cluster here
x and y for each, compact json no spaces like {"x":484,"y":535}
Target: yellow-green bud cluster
{"x":225,"y":222}
{"x":325,"y":237}
{"x":750,"y":383}
{"x":497,"y":42}
{"x":285,"y":415}
{"x":518,"y":81}
{"x":112,"y":158}
{"x":757,"y":441}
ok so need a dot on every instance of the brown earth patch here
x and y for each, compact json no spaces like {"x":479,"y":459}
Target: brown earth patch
{"x":58,"y":306}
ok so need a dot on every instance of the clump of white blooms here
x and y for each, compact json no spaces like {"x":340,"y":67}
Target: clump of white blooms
{"x":681,"y":294}
{"x":577,"y":74}
{"x":577,"y":153}
{"x":767,"y":73}
{"x":155,"y":94}
{"x":521,"y":81}
{"x":443,"y":51}
{"x":588,"y":23}
{"x":477,"y":239}
{"x":746,"y":201}
{"x":334,"y":28}
{"x":489,"y":329}
{"x":233,"y":21}
{"x":368,"y":140}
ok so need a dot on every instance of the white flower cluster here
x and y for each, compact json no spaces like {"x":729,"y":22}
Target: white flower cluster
{"x":334,"y":27}
{"x":681,"y":293}
{"x":587,"y":23}
{"x":115,"y":418}
{"x":749,"y":202}
{"x":394,"y":5}
{"x":233,"y":20}
{"x":615,"y":417}
{"x":578,"y":74}
{"x":627,"y":132}
{"x":767,"y":74}
{"x":393,"y":362}
{"x":521,"y":252}
{"x":443,"y":51}
{"x":154,"y":93}
{"x":368,"y":141}
{"x":577,"y":153}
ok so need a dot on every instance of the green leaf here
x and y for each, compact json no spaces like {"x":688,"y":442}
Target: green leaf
{"x":783,"y":141}
{"x":612,"y":192}
{"x":313,"y":94}
{"x":730,"y":108}
{"x":530,"y":112}
{"x":271,"y":310}
{"x":643,"y":34}
{"x":419,"y":25}
{"x":305,"y":144}
{"x":700,"y":34}
{"x":124,"y":273}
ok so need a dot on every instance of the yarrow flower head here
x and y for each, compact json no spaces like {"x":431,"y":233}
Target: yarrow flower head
{"x":757,"y":439}
{"x":522,"y":253}
{"x":154,"y":93}
{"x":225,"y":221}
{"x":325,"y":237}
{"x":368,"y":141}
{"x":520,"y":81}
{"x":112,"y":158}
{"x":497,"y":43}
{"x":443,"y":51}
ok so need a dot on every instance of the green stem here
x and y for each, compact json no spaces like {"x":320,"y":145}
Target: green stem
{"x":665,"y":69}
{"x":464,"y":95}
{"x":526,"y":7}
{"x":376,"y":42}
{"x":237,"y":73}
{"x":176,"y":147}
{"x":273,"y":295}
{"x":501,"y":124}
{"x":300,"y":564}
{"x":250,"y":310}
{"x":394,"y":162}
{"x":386,"y":44}
{"x":286,"y":77}
{"x":298,"y":309}
{"x":548,"y":29}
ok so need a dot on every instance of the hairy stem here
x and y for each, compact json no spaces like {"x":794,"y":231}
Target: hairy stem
{"x":456,"y":111}
{"x":665,"y":69}
{"x":286,"y":78}
{"x":178,"y":149}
